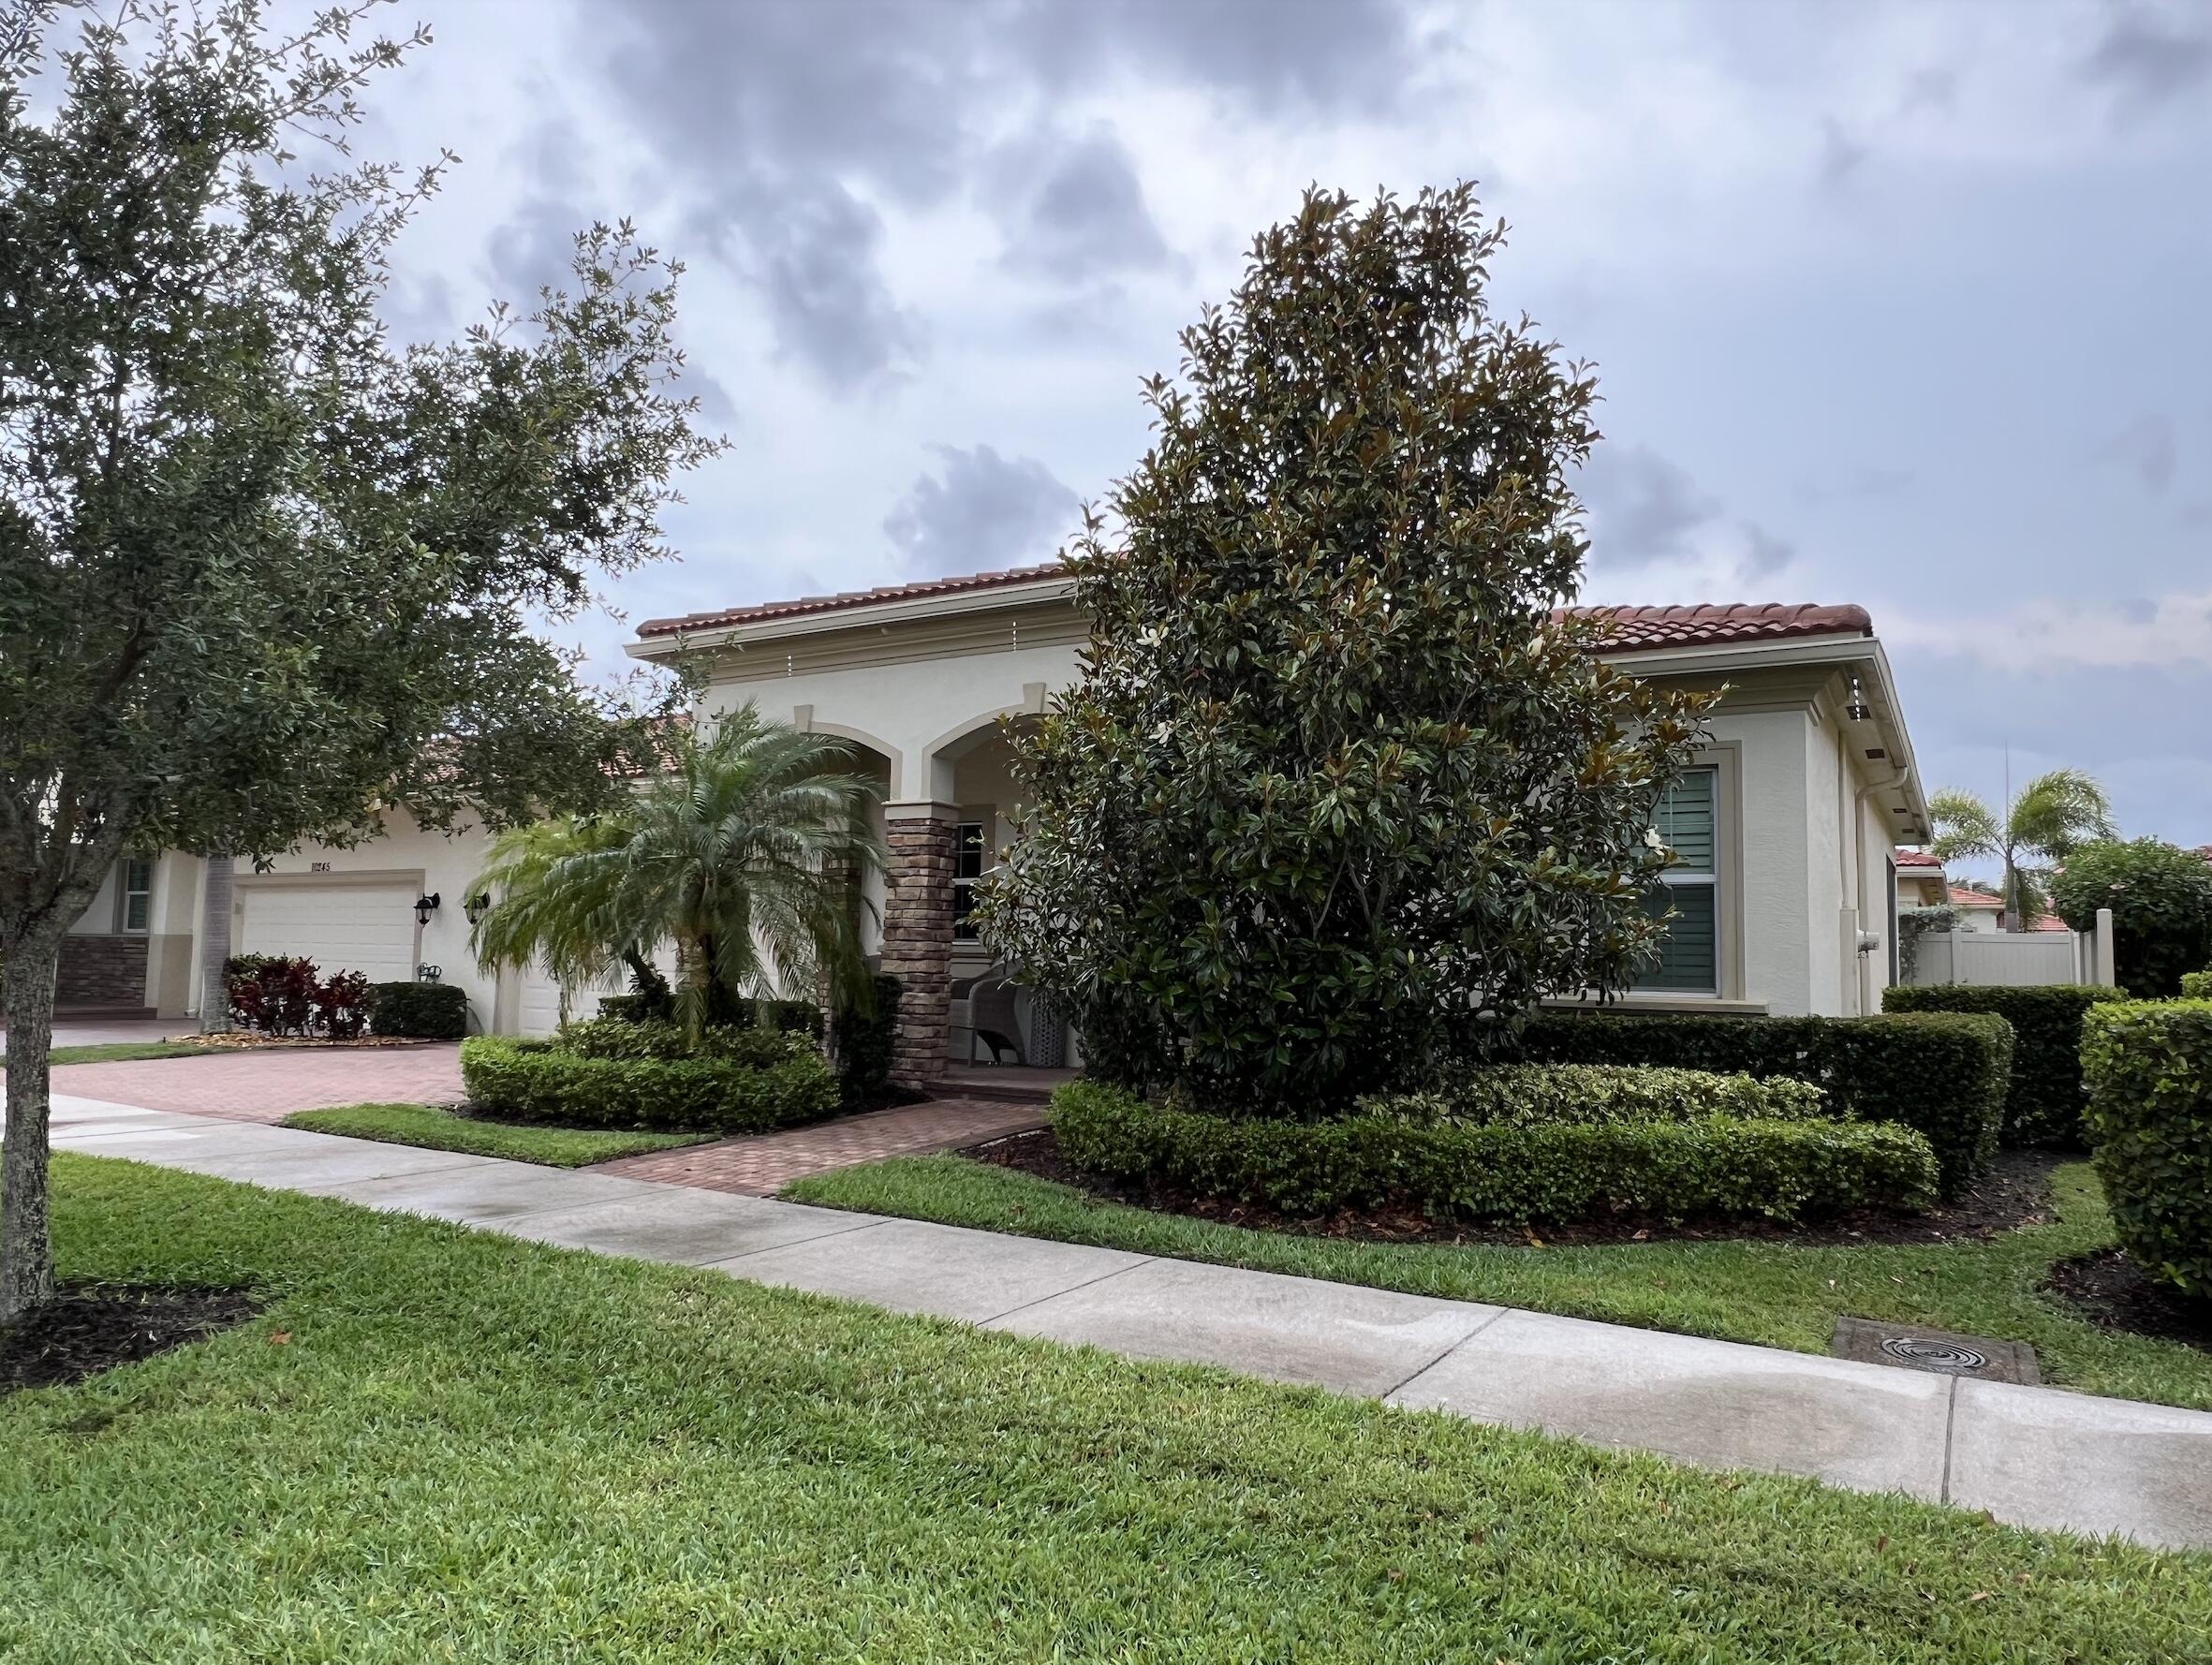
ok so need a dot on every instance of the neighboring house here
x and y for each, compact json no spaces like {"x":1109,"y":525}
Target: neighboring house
{"x":1921,"y":881}
{"x":1789,"y":821}
{"x":347,"y":909}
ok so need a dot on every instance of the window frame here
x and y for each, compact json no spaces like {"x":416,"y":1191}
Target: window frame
{"x":126,"y":892}
{"x":964,"y":884}
{"x":1708,"y":879}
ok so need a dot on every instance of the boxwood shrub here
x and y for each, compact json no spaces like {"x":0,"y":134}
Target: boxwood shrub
{"x":2044,"y":1096}
{"x":427,"y":1012}
{"x":1716,"y":1164}
{"x":860,"y":1034}
{"x":2148,"y":1065}
{"x":1942,"y":1074}
{"x":1530,"y":1095}
{"x":548,"y":1081}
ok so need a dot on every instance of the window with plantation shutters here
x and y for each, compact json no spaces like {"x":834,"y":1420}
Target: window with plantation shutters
{"x":1687,"y":893}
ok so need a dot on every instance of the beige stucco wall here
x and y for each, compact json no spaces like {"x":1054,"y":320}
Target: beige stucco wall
{"x":1801,"y":835}
{"x":431,"y":861}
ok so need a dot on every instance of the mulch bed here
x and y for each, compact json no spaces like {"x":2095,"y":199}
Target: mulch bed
{"x":240,"y":1040}
{"x":2015,"y":1192}
{"x":91,"y":1327}
{"x":2110,"y":1291}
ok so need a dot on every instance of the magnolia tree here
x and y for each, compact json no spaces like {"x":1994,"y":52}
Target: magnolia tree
{"x":1337,"y":795}
{"x":261,"y":569}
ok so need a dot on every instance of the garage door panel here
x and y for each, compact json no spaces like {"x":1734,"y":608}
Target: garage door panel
{"x":364,"y":928}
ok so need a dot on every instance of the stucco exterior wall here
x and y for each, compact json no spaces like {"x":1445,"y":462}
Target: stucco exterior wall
{"x":913,"y":713}
{"x":431,"y":861}
{"x":1768,"y":899}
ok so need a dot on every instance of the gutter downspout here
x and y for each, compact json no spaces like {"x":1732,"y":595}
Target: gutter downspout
{"x":1858,"y":813}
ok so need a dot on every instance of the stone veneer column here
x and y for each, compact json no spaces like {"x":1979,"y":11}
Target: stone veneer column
{"x":918,"y":937}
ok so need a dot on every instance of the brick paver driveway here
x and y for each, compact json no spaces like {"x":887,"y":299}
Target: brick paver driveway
{"x":268,"y":1085}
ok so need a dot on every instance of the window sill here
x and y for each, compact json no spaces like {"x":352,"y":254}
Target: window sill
{"x":1659,"y":1003}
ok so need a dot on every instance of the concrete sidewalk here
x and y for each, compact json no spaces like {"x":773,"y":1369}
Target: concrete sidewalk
{"x":2034,"y":1456}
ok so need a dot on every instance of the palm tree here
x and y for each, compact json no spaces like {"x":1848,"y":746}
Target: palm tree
{"x":2053,"y":815}
{"x":744,"y":850}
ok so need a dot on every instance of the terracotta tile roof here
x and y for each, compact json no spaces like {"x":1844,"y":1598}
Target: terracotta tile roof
{"x":1633,"y":628}
{"x":1919,"y":859}
{"x":1962,"y":897}
{"x":1630,"y":628}
{"x":808,"y":604}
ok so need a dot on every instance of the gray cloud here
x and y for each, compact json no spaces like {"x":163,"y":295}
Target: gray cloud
{"x":816,"y":258}
{"x":2146,"y":448}
{"x":1645,"y":507}
{"x":1865,"y":484}
{"x":1841,"y":156}
{"x":1934,"y":88}
{"x":2148,"y":57}
{"x":1074,"y":210}
{"x":785,"y":122}
{"x":1766,"y":554}
{"x":1276,"y":56}
{"x":981,"y":512}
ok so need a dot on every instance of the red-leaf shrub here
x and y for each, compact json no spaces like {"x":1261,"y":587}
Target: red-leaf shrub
{"x":284,"y":994}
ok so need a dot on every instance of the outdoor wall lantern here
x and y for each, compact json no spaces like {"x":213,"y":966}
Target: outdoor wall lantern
{"x":425,"y":908}
{"x":476,"y":906}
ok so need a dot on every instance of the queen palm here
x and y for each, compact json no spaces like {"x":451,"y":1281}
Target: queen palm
{"x":741,"y":849}
{"x":2053,"y":815}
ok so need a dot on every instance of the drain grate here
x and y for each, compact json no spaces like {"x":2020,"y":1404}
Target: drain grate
{"x":1980,"y":1357}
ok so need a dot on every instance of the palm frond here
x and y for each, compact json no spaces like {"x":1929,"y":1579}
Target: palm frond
{"x":2058,"y":812}
{"x":745,"y":851}
{"x":1965,"y":826}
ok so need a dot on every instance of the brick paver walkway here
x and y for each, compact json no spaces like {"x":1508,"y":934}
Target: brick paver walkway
{"x":268,"y":1085}
{"x":762,"y":1165}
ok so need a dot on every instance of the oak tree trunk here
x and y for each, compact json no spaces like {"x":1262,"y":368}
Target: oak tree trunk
{"x":214,"y":948}
{"x":26,"y":1247}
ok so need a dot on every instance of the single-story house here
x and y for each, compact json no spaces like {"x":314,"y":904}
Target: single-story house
{"x":1922,"y":882}
{"x":1790,"y":823}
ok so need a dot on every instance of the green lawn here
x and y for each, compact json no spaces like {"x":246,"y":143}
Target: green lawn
{"x":1764,"y":1293}
{"x":442,"y":1130}
{"x":130,"y":1052}
{"x":435,"y":1444}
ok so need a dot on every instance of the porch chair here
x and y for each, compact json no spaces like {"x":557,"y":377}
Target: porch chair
{"x":990,"y":1003}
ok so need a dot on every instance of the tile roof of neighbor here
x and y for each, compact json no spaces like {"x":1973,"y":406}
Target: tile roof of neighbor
{"x":1631,"y":628}
{"x":1919,"y":859}
{"x":1962,"y":897}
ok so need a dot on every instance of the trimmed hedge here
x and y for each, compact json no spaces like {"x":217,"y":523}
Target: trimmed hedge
{"x":2196,"y":985}
{"x":425,"y":1011}
{"x":861,"y":1040}
{"x":2044,"y":1099}
{"x":544,"y":1081}
{"x":2148,"y":1065}
{"x":667,"y":1044}
{"x":1942,"y":1074}
{"x":1499,"y":1172}
{"x":1600,"y":1095}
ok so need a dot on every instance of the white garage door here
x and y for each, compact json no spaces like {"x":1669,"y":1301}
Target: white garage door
{"x":341,"y":927}
{"x":541,"y":1012}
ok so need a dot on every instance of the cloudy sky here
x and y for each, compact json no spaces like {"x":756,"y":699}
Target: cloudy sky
{"x":1902,"y":306}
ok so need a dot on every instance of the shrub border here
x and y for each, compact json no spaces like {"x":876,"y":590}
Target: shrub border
{"x":536,"y":1081}
{"x":1719,"y":1165}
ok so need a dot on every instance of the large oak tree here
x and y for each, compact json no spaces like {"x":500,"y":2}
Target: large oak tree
{"x":264,"y":571}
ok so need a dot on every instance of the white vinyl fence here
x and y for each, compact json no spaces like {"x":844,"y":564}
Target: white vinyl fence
{"x":2017,"y":959}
